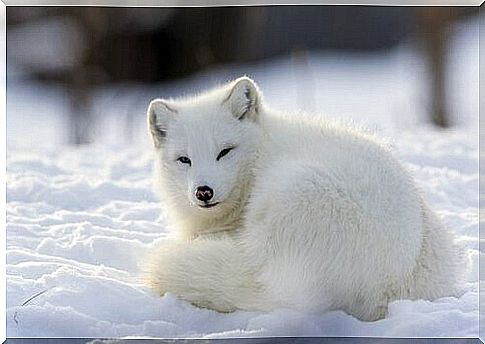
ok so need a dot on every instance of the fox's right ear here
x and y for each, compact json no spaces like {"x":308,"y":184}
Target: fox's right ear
{"x":159,"y":114}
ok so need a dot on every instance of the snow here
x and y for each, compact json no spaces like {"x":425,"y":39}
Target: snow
{"x":80,"y":218}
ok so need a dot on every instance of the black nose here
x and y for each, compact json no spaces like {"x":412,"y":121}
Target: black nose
{"x":204,"y":193}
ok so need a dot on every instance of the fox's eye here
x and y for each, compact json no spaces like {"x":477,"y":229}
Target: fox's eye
{"x":224,"y":152}
{"x":185,"y":160}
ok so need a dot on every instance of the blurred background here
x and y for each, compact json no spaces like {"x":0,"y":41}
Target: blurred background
{"x":83,"y":75}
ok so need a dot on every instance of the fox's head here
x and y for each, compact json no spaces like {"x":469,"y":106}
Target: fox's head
{"x":205,"y":148}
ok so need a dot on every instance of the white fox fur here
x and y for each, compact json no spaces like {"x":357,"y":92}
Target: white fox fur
{"x":311,"y":215}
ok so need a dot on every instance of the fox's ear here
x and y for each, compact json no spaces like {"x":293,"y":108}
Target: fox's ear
{"x":159,"y":114}
{"x":244,"y":99}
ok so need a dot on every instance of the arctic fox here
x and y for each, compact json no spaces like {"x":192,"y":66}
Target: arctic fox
{"x":276,"y":210}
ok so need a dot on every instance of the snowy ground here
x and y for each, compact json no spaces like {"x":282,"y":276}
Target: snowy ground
{"x":78,"y":219}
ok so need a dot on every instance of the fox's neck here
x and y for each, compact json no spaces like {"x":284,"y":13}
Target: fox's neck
{"x":218,"y":228}
{"x":190,"y":229}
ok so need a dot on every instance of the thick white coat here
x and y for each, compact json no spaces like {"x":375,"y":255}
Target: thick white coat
{"x":313,"y":215}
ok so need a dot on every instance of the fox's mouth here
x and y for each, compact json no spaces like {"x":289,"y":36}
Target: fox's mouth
{"x":208,"y":205}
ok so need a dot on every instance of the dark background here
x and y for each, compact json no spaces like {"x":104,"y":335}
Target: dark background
{"x":80,"y":48}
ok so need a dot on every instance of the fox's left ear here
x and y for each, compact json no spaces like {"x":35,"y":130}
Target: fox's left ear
{"x":244,"y":99}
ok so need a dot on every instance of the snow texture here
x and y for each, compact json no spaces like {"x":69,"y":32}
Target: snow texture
{"x":80,"y":218}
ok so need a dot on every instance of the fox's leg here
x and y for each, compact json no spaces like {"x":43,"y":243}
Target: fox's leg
{"x":208,"y":273}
